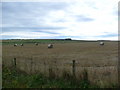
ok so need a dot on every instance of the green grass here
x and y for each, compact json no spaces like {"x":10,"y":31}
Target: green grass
{"x":27,"y":41}
{"x":13,"y":78}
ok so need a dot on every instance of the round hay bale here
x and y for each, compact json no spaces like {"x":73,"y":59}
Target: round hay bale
{"x":50,"y":45}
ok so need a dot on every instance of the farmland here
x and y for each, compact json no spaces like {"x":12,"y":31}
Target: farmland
{"x":100,"y":62}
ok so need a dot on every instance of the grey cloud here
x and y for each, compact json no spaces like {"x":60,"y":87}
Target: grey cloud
{"x":26,"y":13}
{"x":91,"y":4}
{"x":31,"y":29}
{"x":108,"y":35}
{"x":81,"y":18}
{"x":60,"y":20}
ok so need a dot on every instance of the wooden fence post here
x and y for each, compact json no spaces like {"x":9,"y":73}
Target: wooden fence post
{"x":14,"y":62}
{"x":73,"y":68}
{"x":31,"y":65}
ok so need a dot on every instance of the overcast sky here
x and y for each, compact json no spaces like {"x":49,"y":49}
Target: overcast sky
{"x":79,"y":19}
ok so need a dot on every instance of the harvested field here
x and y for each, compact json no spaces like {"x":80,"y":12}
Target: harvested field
{"x":100,"y":62}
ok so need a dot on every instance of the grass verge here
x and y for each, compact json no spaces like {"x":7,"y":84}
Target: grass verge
{"x":13,"y":78}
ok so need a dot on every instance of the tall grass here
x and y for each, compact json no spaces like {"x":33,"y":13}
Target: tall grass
{"x":13,"y":78}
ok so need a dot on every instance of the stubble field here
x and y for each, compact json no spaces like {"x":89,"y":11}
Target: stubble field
{"x":100,"y":62}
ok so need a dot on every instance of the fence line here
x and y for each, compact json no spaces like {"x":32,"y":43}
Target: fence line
{"x":53,"y":70}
